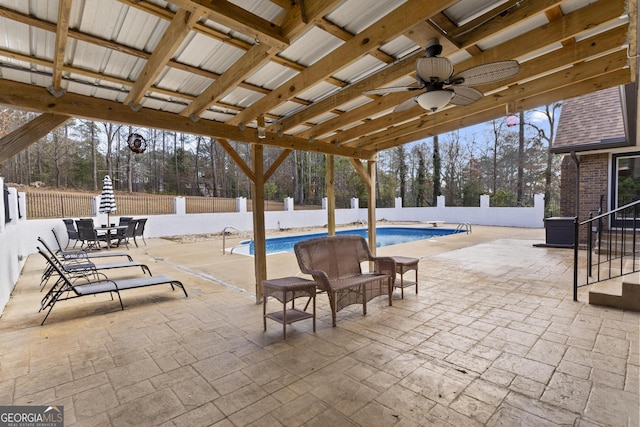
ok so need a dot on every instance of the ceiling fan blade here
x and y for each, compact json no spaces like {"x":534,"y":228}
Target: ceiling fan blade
{"x":487,"y":73}
{"x":463,"y":95}
{"x":430,"y":68}
{"x":385,"y":90}
{"x":406,"y":105}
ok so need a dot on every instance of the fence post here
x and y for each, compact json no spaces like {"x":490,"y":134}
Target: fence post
{"x":288,"y":203}
{"x":440,"y":202}
{"x":241,"y":204}
{"x":355,"y":203}
{"x":398,"y":203}
{"x":325,"y":203}
{"x":485,"y":201}
{"x":180,"y":205}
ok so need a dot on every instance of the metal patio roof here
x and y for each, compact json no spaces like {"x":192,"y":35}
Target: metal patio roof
{"x":213,"y":67}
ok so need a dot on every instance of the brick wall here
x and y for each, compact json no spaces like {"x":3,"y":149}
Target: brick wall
{"x":594,"y":182}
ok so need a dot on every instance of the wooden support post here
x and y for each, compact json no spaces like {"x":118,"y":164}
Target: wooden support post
{"x":331,"y":196}
{"x":260,"y":249}
{"x":371,"y":212}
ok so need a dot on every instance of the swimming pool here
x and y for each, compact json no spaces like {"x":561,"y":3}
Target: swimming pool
{"x":385,"y":236}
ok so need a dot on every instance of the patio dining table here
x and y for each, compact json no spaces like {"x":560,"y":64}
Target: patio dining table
{"x":110,"y":230}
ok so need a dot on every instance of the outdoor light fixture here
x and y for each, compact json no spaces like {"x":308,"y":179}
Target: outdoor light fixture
{"x":512,"y":119}
{"x":262,"y":130}
{"x":435,"y":99}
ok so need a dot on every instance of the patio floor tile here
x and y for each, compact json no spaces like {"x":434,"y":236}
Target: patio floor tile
{"x":492,"y":338}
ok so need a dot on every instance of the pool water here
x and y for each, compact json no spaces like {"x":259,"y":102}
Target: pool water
{"x":385,"y":236}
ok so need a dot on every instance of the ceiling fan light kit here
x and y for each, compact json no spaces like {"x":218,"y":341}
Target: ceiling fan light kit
{"x":435,"y":77}
{"x":434,"y":100}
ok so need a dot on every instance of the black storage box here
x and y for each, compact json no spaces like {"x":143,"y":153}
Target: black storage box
{"x":559,"y":231}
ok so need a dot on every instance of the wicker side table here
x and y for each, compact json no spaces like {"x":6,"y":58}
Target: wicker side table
{"x":404,"y":265}
{"x":287,"y":289}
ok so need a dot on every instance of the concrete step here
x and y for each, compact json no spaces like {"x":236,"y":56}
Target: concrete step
{"x":621,"y":293}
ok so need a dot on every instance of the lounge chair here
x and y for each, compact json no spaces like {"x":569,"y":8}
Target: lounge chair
{"x":81,"y":253}
{"x":140,"y":231}
{"x":81,"y":285}
{"x":335,"y":264}
{"x":81,"y":265}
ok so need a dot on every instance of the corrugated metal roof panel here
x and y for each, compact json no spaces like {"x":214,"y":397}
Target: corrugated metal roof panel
{"x":271,"y":75}
{"x":467,"y":10}
{"x":285,"y":108}
{"x":351,"y":15}
{"x":317,"y":91}
{"x":311,"y":46}
{"x":241,"y":97}
{"x":534,"y":22}
{"x":183,"y":82}
{"x":359,"y":69}
{"x":148,"y":30}
{"x":204,"y":52}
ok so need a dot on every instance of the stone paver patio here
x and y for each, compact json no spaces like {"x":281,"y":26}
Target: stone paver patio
{"x":493,"y":338}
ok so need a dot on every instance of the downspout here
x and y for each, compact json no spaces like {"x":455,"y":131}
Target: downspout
{"x":576,"y":160}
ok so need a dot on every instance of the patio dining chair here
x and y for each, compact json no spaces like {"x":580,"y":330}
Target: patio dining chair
{"x":139,"y":231}
{"x":87,"y":234}
{"x":123,"y":236}
{"x":72,"y":233}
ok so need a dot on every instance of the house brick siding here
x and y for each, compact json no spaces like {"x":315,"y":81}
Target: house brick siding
{"x":594,"y":182}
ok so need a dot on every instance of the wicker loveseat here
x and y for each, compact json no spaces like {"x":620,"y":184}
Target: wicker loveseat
{"x":335,"y":264}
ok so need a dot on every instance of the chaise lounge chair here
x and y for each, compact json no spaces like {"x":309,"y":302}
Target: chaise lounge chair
{"x":81,"y":265}
{"x":90,"y":284}
{"x":81,"y":253}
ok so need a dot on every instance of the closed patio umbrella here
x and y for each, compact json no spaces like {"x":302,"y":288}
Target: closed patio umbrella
{"x":107,"y":200}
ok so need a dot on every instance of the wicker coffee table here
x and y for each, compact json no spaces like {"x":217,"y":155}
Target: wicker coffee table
{"x":287,"y":289}
{"x":404,"y":265}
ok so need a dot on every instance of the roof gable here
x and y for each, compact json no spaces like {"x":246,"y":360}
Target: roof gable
{"x":594,"y":118}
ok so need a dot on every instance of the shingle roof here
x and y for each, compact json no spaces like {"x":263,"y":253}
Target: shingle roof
{"x":592,"y":118}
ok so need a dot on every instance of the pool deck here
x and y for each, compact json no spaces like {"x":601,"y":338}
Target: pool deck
{"x":493,"y":338}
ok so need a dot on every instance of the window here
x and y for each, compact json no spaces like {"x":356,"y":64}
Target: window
{"x":625,"y":182}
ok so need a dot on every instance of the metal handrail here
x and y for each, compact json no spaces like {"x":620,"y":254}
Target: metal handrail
{"x":617,"y":259}
{"x":224,"y":237}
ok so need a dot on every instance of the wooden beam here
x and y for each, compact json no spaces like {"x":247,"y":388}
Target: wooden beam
{"x":604,"y":81}
{"x":371,"y":206}
{"x":18,"y":140}
{"x":236,"y":158}
{"x":252,"y":59}
{"x":384,"y":30}
{"x":362,"y":171}
{"x":235,"y":17}
{"x":555,"y":83}
{"x":259,"y":235}
{"x":305,"y":13}
{"x":568,"y":55}
{"x":276,"y":164}
{"x":494,"y":21}
{"x":62,"y":30}
{"x":331,"y":195}
{"x":384,"y":76}
{"x":171,"y":39}
{"x":33,"y":98}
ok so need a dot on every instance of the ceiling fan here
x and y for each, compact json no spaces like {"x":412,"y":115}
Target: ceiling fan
{"x":440,"y":87}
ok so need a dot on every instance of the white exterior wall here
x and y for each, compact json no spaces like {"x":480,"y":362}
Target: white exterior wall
{"x":18,"y":238}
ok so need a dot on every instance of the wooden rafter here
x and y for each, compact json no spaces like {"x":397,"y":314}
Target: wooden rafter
{"x":171,"y":39}
{"x":18,"y":140}
{"x":20,"y":95}
{"x":239,"y":19}
{"x":393,"y":24}
{"x":62,"y":29}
